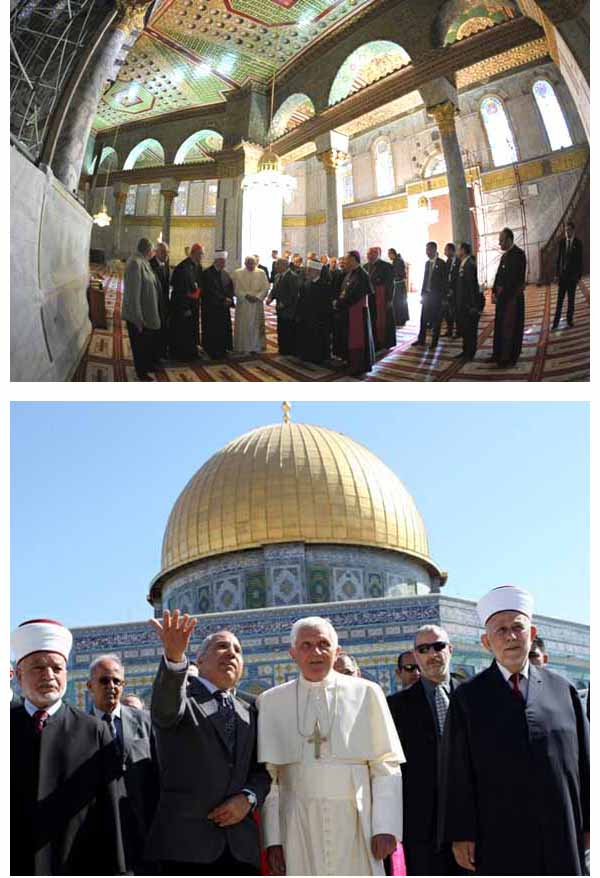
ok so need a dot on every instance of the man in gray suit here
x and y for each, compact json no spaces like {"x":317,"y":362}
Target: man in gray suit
{"x":206,"y":741}
{"x":134,"y":742}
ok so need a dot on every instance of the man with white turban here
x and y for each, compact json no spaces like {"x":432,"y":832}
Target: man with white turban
{"x":515,"y":757}
{"x":331,"y":747}
{"x":251,"y":286}
{"x":64,"y":815}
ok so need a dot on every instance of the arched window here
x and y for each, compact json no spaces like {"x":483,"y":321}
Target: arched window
{"x":147,"y":154}
{"x":367,"y":64}
{"x":198,"y":147}
{"x":180,"y":202}
{"x":500,"y":137}
{"x":384,"y":167}
{"x":130,"y":201}
{"x":436,"y":164}
{"x":347,"y":182}
{"x":552,"y":115}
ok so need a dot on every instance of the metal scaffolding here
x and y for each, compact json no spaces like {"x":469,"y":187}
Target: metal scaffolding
{"x":46,"y":38}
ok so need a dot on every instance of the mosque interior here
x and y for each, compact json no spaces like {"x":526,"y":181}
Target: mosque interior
{"x":291,"y":520}
{"x":348,"y":124}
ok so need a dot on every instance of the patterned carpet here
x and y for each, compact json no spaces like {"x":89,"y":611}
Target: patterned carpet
{"x":563,"y":355}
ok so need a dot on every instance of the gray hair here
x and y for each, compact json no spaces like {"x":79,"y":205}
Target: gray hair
{"x":312,"y":622}
{"x":144,"y":246}
{"x":205,"y":644}
{"x":351,"y":659}
{"x":107,"y":657}
{"x":432,"y":629}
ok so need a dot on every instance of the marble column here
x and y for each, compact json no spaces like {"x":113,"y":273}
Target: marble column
{"x":332,"y":158}
{"x":120,"y":196}
{"x":168,"y":190}
{"x":65,"y":150}
{"x":444,"y":115}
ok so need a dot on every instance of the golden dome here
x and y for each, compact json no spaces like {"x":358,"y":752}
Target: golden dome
{"x":292,"y":483}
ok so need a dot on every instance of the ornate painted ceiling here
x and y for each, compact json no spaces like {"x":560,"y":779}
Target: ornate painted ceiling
{"x":194,"y":52}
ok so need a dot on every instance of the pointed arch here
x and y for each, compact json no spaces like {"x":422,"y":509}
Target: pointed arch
{"x":149,"y":153}
{"x":367,"y":64}
{"x":293,"y":112}
{"x":552,"y":115}
{"x":498,"y":130}
{"x":198,"y":147}
{"x":109,"y":160}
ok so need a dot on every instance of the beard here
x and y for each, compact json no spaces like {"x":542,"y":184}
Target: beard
{"x":46,"y":699}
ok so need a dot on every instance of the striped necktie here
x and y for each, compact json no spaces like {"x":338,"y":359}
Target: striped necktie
{"x":441,"y":706}
{"x":227,"y":709}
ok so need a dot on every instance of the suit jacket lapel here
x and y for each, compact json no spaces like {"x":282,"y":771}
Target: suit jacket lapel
{"x":535,"y":687}
{"x":426,"y":715}
{"x":209,"y":707}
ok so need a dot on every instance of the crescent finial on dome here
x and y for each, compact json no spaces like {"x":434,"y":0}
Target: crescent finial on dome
{"x":287,"y":407}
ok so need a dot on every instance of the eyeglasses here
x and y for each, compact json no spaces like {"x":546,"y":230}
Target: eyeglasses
{"x":409,"y":667}
{"x":424,"y":648}
{"x":115,"y":680}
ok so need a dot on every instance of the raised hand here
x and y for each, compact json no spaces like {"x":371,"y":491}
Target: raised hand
{"x":276,"y":859}
{"x":175,"y":632}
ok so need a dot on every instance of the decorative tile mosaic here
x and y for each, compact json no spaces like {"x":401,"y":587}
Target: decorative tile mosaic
{"x":347,"y":584}
{"x":229,"y":594}
{"x":256,"y":591}
{"x":319,"y":588}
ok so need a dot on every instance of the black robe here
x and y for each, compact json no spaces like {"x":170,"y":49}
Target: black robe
{"x":217,"y":337}
{"x":353,"y":334}
{"x":285,"y":293}
{"x":381,"y":306}
{"x":400,"y":303}
{"x":64,"y":796}
{"x":313,"y":321}
{"x":508,"y":289}
{"x":515,"y":779}
{"x":185,"y":310}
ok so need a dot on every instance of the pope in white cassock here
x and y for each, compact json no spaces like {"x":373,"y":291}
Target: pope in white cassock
{"x":331,"y":747}
{"x":251,"y":287}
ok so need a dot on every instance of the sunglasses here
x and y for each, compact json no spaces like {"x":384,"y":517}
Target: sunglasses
{"x":424,"y":648}
{"x":106,"y":680}
{"x":409,"y":668}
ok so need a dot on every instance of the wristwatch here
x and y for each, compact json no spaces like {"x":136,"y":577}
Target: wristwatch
{"x":251,"y":796}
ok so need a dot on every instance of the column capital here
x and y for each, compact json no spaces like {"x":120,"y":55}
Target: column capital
{"x":130,"y":16}
{"x":331,"y":159}
{"x":169,"y":187}
{"x":444,"y":115}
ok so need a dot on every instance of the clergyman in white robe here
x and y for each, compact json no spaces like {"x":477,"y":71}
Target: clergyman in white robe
{"x":249,"y":333}
{"x":324,"y":811}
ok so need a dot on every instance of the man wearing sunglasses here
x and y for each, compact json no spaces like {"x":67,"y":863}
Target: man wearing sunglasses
{"x":419,"y":713}
{"x":133,"y":739}
{"x":407,"y":671}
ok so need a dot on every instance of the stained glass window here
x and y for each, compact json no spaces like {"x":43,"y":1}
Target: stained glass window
{"x":130,"y":201}
{"x":384,"y":167}
{"x":502,"y":143}
{"x":552,"y":115}
{"x":347,"y":182}
{"x":180,"y":203}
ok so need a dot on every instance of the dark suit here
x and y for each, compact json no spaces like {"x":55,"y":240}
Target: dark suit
{"x":163,"y":277}
{"x":198,"y":771}
{"x":433,"y":291}
{"x":509,"y":291}
{"x":515,"y":778}
{"x":420,"y":740}
{"x":450,"y":315}
{"x":138,"y":782}
{"x":468,"y":305}
{"x":285,"y":293}
{"x":569,"y":267}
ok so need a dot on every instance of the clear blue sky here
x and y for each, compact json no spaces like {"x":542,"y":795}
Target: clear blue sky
{"x":503,"y":489}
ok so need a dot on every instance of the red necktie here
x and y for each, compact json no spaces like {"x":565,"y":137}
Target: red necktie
{"x":40,"y":717}
{"x":514,"y":679}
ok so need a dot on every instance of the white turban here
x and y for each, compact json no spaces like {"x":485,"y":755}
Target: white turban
{"x":40,"y":635}
{"x":312,"y":263}
{"x":221,"y":254}
{"x":505,"y":597}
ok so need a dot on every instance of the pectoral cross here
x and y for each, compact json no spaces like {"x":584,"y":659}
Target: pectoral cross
{"x":317,"y":740}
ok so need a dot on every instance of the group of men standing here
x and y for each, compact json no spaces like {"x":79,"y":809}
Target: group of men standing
{"x":487,"y":775}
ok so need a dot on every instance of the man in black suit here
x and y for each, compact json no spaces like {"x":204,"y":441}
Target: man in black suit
{"x":433,"y":291}
{"x":515,"y":779}
{"x":450,"y":315}
{"x":264,"y":267}
{"x":468,"y":301}
{"x":206,"y":742}
{"x":508,"y":294}
{"x":569,"y":267}
{"x":162,"y":270}
{"x":133,"y":740}
{"x":419,"y":713}
{"x":407,"y":671}
{"x":274,"y":258}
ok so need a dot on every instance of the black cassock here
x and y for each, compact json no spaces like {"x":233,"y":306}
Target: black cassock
{"x":383,"y":325}
{"x":514,"y":778}
{"x":186,"y":281}
{"x":509,"y":286}
{"x":63,"y":796}
{"x":313,"y":320}
{"x":217,"y":337}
